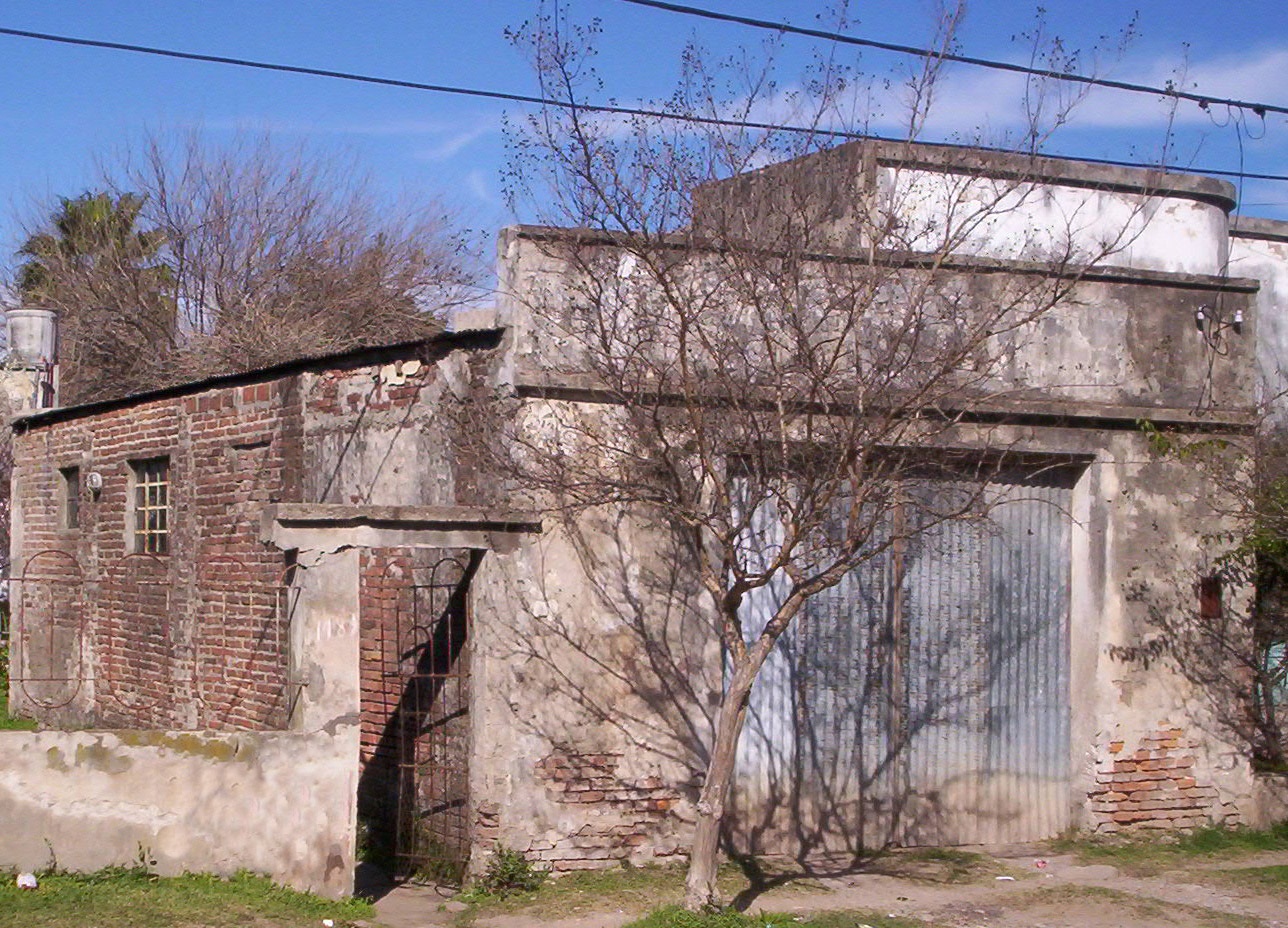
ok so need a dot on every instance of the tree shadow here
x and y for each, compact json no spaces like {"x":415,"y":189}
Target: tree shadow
{"x":873,"y":735}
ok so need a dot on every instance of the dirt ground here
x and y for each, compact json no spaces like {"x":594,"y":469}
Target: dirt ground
{"x":1004,"y":890}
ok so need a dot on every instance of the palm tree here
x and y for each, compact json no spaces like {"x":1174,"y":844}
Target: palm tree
{"x":107,"y":280}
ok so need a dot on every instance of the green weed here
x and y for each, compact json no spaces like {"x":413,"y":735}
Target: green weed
{"x":676,"y":917}
{"x":1270,"y":880}
{"x":1144,"y":856}
{"x":508,"y":873}
{"x":131,"y":897}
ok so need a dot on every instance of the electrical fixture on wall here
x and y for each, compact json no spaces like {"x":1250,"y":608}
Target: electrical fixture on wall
{"x":1211,"y":323}
{"x":94,"y":482}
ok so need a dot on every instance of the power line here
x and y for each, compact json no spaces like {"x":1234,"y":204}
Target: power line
{"x":1203,"y":100}
{"x":610,"y":109}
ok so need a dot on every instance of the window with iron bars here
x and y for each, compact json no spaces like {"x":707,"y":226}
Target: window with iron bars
{"x":152,"y":506}
{"x":71,"y":497}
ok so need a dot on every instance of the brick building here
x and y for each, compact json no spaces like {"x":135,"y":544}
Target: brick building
{"x":288,"y":580}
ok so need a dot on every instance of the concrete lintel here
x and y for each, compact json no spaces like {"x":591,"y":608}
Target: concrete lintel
{"x":534,"y":383}
{"x":320,"y":525}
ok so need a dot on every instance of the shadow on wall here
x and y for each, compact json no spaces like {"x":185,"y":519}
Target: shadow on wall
{"x":118,"y":652}
{"x":923,"y":701}
{"x":616,"y":671}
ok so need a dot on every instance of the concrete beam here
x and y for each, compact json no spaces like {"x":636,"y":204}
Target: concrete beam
{"x":322,"y":526}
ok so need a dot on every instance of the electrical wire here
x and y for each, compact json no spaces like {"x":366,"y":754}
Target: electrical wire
{"x":1202,"y":99}
{"x":602,"y":108}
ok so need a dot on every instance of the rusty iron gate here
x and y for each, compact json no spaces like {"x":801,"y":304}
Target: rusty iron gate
{"x":430,"y":662}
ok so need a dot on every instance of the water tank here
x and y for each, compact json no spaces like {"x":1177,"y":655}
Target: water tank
{"x":33,"y":337}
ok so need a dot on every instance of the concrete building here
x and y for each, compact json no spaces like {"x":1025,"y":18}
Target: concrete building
{"x":260,"y":614}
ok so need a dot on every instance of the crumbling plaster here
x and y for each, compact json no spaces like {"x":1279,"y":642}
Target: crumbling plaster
{"x":595,"y":666}
{"x":207,"y":801}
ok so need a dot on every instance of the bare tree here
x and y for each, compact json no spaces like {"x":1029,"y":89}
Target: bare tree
{"x":1227,"y":632}
{"x":238,"y":256}
{"x":780,"y":359}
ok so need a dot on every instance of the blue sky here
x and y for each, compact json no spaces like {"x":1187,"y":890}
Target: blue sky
{"x":63,"y":107}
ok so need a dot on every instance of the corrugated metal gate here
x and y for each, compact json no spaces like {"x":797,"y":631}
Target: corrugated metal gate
{"x":925,"y":699}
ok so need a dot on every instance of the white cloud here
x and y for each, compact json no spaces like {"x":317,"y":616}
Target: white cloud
{"x":456,"y":140}
{"x":482,"y":188}
{"x":972,"y":100}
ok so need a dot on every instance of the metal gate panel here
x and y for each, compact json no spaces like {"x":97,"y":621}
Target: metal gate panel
{"x":1027,"y":706}
{"x":850,"y":726}
{"x":431,"y":831}
{"x":925,"y":699}
{"x":941,"y":590}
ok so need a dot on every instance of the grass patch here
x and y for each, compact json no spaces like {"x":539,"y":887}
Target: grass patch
{"x":1141,"y":856}
{"x":631,"y":889}
{"x":675,"y":917}
{"x":1269,"y":880}
{"x":1124,"y":907}
{"x":132,"y":898}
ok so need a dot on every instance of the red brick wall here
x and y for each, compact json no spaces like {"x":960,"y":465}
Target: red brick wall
{"x":628,"y":813}
{"x":384,"y":589}
{"x":1153,"y":784}
{"x":191,"y":639}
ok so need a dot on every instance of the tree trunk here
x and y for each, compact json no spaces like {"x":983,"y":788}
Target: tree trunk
{"x":700,"y":885}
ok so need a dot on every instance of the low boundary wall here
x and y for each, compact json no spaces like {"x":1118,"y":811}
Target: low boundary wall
{"x":277,"y":803}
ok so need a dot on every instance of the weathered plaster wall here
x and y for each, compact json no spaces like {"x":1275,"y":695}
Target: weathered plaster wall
{"x":1043,"y":220}
{"x":1143,"y":528}
{"x":967,"y":202}
{"x":1259,"y":248}
{"x":380,"y":435}
{"x":277,"y":803}
{"x":1149,"y":747}
{"x":1118,"y":343}
{"x":595,"y":670}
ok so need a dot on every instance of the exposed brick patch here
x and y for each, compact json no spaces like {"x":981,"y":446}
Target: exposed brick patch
{"x":629,"y":814}
{"x":1154,"y":786}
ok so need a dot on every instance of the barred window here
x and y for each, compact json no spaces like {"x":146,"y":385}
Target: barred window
{"x":71,"y":496}
{"x":152,"y":506}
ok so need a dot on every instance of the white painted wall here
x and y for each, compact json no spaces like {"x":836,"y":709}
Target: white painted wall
{"x":1261,"y":251}
{"x":1036,"y":221}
